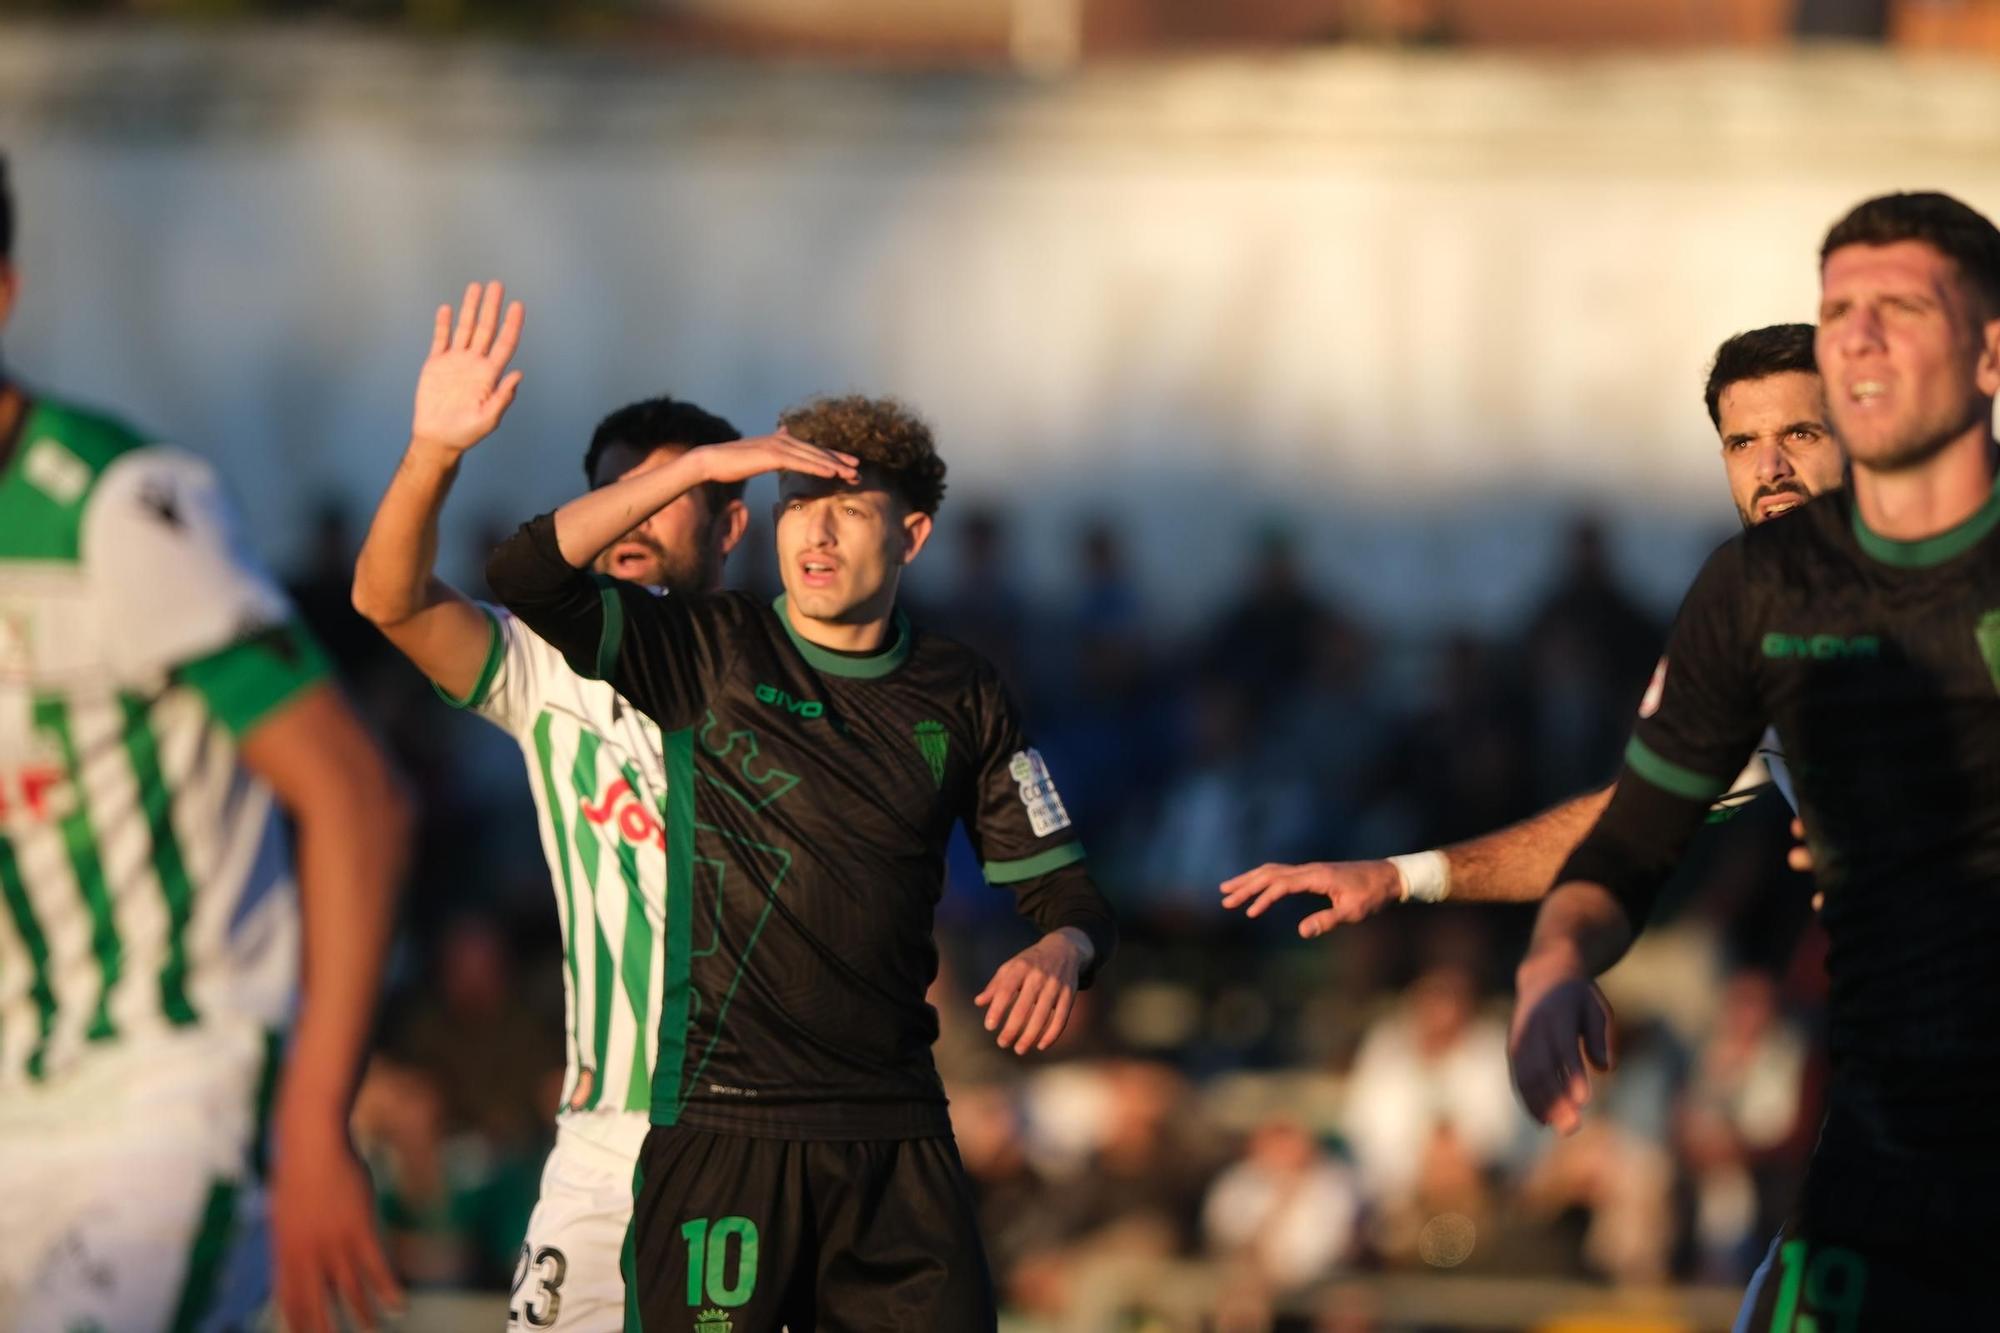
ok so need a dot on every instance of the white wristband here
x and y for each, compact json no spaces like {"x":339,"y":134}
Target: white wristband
{"x":1426,"y":876}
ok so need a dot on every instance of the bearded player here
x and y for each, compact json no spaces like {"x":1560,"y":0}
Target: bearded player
{"x":594,"y":763}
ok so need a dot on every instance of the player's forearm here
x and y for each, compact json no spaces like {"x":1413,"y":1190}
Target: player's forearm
{"x":552,"y":597}
{"x":1581,"y":930}
{"x":591,"y":522}
{"x":352,"y":847}
{"x":1519,"y":864}
{"x":393,"y":576}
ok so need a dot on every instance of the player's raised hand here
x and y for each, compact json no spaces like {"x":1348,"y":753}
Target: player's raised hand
{"x":780,"y":451}
{"x":465,"y":386}
{"x":1030,"y":997}
{"x":1562,"y":1029}
{"x":324,"y":1246}
{"x":1356,"y":889}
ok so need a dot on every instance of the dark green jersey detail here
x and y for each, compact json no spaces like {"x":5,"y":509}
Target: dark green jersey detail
{"x":496,"y":653}
{"x":248,"y":681}
{"x":613,"y":632}
{"x":1669,"y":776}
{"x":635,"y":961}
{"x":1013,"y":872}
{"x":204,"y":1266}
{"x":52,"y":716}
{"x":58,"y":455}
{"x":545,"y":757}
{"x":677,"y":988}
{"x":806,"y":854}
{"x":1931,"y":550}
{"x":15,"y":890}
{"x":142,"y":747}
{"x":844,"y":664}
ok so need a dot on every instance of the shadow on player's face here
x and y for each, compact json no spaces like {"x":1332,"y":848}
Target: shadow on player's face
{"x":842,"y":546}
{"x":680,"y":548}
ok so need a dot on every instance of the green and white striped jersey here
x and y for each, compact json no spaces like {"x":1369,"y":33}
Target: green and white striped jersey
{"x":145,"y":883}
{"x":598,"y":771}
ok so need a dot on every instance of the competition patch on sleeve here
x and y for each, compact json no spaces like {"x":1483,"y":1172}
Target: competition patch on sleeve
{"x":1038,"y":792}
{"x":55,"y":471}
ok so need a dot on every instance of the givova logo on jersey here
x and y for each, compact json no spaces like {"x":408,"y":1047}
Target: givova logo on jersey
{"x":1038,"y":792}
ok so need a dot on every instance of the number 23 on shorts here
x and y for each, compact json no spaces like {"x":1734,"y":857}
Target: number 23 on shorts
{"x":713,"y":1249}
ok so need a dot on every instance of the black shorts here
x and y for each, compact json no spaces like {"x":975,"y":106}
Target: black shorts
{"x":732,"y":1234}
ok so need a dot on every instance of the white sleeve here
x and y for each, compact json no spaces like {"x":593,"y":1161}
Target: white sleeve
{"x":168,"y":569}
{"x":514,"y":682}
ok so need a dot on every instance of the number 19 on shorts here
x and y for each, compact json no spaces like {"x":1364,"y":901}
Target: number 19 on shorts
{"x":714,"y":1251}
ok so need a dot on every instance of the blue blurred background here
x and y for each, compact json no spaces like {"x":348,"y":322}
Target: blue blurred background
{"x":1321,"y":385}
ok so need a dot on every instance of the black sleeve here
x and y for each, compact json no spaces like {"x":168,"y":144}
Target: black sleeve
{"x":1698,"y":724}
{"x":665,"y":654}
{"x":1022,"y":833}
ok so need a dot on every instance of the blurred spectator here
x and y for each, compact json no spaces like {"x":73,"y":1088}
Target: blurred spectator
{"x":1431,"y":1111}
{"x":1459,"y":765}
{"x":983,"y":607}
{"x":1287,"y":1211}
{"x":1263,"y":641}
{"x":322,"y":589}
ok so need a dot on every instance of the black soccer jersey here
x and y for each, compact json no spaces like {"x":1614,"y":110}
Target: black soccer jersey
{"x":810,"y":795}
{"x":1878,"y":662}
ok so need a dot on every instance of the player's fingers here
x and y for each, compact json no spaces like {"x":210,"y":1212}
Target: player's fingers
{"x":1045,"y":1005}
{"x":1599,"y":1042}
{"x":468,"y":313}
{"x":1237,"y":885}
{"x":1800,"y":859}
{"x":503,"y":396}
{"x":347,"y":1281}
{"x":303,"y":1299}
{"x":441,"y":330}
{"x":1272,"y":894}
{"x":998,"y":992}
{"x":1023,"y":1006}
{"x":1320,"y":922}
{"x":1798,"y":828}
{"x":1819,"y":901}
{"x":1059,"y":1019}
{"x":489,"y":317}
{"x":373,"y":1266}
{"x":510,"y":333}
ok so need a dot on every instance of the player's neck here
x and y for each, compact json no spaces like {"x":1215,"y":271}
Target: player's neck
{"x":1917,"y":503}
{"x":843,"y":636}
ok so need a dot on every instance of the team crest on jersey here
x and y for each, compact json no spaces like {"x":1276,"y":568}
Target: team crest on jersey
{"x":1987,"y":632}
{"x":713,"y":1321}
{"x":935,"y":742}
{"x":1655,"y":691}
{"x":1038,"y":792}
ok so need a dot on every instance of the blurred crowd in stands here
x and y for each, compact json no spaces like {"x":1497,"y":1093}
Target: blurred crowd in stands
{"x":1234,"y":1107}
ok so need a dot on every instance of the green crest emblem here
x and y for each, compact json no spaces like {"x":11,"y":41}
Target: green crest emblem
{"x":935,"y":742}
{"x":1988,"y":634}
{"x":712,"y":1321}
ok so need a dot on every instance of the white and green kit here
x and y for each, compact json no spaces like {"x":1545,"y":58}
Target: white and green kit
{"x":148,"y":916}
{"x":598,"y":771}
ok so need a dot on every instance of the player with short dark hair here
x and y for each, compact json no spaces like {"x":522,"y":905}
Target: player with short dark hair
{"x":595,"y":765}
{"x":1766,"y":400}
{"x":1866,"y":627}
{"x":819,"y":750}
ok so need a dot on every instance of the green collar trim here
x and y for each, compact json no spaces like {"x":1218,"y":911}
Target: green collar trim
{"x":1931,"y":550}
{"x":841,"y":664}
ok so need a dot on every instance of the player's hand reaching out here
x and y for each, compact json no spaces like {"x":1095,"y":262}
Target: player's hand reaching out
{"x":1030,"y":998}
{"x":325,"y":1250}
{"x":465,"y":386}
{"x":1356,"y":889}
{"x":1562,"y":1029}
{"x":780,"y":451}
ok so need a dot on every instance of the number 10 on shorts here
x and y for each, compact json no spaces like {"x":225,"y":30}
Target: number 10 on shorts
{"x":709,"y":1260}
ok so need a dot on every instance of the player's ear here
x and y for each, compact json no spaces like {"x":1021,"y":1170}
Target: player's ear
{"x":916,"y":531}
{"x":730,"y":526}
{"x":1988,"y":371}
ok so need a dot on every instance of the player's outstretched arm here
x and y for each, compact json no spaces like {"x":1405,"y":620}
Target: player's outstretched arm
{"x":462,"y":392}
{"x":1515,"y":865}
{"x":353,"y":832}
{"x":591,"y":522}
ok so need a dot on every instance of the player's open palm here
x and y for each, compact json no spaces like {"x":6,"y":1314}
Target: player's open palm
{"x":780,"y":451}
{"x":1030,"y":998}
{"x":325,"y":1249}
{"x":1562,"y":1029}
{"x":465,"y":386}
{"x":1354,"y":890}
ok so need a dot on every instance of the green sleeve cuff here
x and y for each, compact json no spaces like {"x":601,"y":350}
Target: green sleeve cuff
{"x":1670,"y":777}
{"x":1013,"y":872}
{"x":251,"y":679}
{"x":613,"y":633}
{"x":496,"y":651}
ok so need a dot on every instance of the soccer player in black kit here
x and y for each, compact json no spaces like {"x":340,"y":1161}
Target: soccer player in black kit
{"x":1866,"y":627}
{"x":800,"y":1170}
